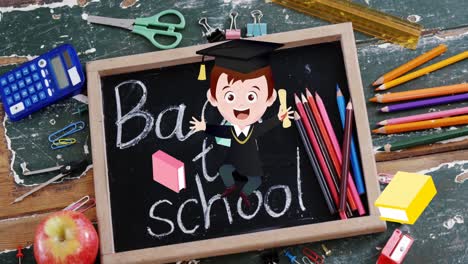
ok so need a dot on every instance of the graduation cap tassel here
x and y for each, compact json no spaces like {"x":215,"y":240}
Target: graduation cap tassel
{"x":202,"y":73}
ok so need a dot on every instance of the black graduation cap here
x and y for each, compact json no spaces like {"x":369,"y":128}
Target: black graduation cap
{"x":241,"y":55}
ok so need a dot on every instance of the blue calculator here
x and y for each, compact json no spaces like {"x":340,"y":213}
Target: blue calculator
{"x":41,"y":82}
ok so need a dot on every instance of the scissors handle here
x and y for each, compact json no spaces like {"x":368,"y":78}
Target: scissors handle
{"x":142,"y":24}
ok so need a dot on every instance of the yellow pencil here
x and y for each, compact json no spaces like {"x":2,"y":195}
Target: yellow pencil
{"x":404,"y":68}
{"x":423,"y":71}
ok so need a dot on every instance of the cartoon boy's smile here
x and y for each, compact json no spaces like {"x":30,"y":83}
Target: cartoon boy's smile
{"x":241,"y":114}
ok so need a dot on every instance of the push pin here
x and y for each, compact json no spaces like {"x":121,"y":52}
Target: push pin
{"x":233,"y":33}
{"x":256,"y":28}
{"x":211,"y":34}
{"x":326,"y":250}
{"x":20,"y":254}
{"x":291,"y":257}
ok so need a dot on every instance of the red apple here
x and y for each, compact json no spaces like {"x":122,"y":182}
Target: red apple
{"x":66,"y":237}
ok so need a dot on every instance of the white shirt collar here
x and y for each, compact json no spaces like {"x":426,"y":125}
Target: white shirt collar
{"x":245,"y":131}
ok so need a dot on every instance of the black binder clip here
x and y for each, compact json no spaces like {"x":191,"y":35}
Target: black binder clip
{"x":211,"y":34}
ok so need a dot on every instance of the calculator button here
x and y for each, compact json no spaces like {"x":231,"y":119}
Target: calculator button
{"x":25,"y":71}
{"x":28,"y":80}
{"x":21,"y":84}
{"x":49,"y":91}
{"x":9,"y":100}
{"x":3,"y":82}
{"x":46,"y":82}
{"x":42,"y":63}
{"x":34,"y":99}
{"x":11,"y":78}
{"x":27,"y":102}
{"x":35,"y":77}
{"x":42,"y":95}
{"x":18,"y":75}
{"x":17,"y":108}
{"x":24,"y":93}
{"x":17,"y":97}
{"x":31,"y":89}
{"x":14,"y":87}
{"x":6,"y":91}
{"x":43,"y":73}
{"x":38,"y":86}
{"x":33,"y":67}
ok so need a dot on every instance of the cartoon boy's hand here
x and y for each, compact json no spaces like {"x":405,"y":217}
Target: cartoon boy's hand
{"x":283,"y":113}
{"x":198,"y":125}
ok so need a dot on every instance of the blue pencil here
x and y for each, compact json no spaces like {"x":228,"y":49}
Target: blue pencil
{"x":357,"y":173}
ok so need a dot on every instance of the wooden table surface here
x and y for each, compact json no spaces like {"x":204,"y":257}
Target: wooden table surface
{"x":26,"y":31}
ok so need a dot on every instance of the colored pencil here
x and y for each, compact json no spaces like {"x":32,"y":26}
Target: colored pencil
{"x":425,"y":140}
{"x":355,"y":163}
{"x":425,"y":103}
{"x":348,"y":130}
{"x":323,"y":149}
{"x":336,"y":146}
{"x":420,"y":93}
{"x":328,"y":144}
{"x":423,"y":71}
{"x":427,"y":116}
{"x":404,"y":68}
{"x":421,"y":125}
{"x":316,"y":148}
{"x":315,"y":166}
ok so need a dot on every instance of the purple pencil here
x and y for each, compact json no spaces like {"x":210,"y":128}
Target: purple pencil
{"x":426,"y":102}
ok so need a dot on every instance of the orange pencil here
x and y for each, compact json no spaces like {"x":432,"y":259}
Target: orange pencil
{"x":414,"y":126}
{"x":402,"y":69}
{"x":328,"y":144}
{"x":420,"y":93}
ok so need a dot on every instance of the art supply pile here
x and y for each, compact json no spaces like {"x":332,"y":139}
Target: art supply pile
{"x":420,"y":98}
{"x":329,"y":161}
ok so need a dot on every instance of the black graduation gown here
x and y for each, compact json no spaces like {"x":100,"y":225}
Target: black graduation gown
{"x":243,"y":152}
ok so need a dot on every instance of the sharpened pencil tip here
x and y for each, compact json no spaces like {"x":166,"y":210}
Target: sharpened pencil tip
{"x":349,"y":105}
{"x":304,"y":99}
{"x":296,"y":99}
{"x":296,"y":116}
{"x":381,"y":88}
{"x":338,"y":91}
{"x":378,"y":81}
{"x":375,"y":131}
{"x":373,"y":100}
{"x":384,"y":109}
{"x":308,"y":93}
{"x":382,"y":123}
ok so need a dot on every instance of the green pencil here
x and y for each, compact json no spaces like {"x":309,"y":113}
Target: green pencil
{"x":424,"y":140}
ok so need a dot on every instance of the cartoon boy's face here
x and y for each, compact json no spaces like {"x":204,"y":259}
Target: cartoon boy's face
{"x":242,"y":103}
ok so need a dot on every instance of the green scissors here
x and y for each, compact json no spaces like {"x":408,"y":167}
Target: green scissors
{"x":145,"y":26}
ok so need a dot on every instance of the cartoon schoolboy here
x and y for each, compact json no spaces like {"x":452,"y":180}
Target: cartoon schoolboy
{"x":242,"y":88}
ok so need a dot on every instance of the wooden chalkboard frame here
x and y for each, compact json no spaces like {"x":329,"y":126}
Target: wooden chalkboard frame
{"x":237,"y":243}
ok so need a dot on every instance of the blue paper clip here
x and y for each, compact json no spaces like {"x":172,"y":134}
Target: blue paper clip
{"x":66,"y":131}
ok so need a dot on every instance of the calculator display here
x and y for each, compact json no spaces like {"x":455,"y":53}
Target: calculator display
{"x":59,"y":70}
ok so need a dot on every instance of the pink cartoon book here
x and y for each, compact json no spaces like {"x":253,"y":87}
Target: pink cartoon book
{"x":168,"y":171}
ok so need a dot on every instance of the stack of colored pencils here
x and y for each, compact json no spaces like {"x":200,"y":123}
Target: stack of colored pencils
{"x":422,"y":98}
{"x":330,"y":164}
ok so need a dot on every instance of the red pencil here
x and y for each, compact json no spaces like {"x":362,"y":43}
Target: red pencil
{"x":326,"y":138}
{"x":315,"y":146}
{"x":348,"y":130}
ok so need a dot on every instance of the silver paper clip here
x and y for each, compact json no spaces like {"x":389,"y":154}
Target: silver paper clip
{"x":81,"y":205}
